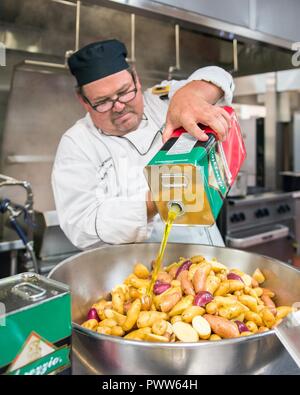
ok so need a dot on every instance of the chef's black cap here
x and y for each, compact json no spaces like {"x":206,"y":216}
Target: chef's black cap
{"x":98,"y":60}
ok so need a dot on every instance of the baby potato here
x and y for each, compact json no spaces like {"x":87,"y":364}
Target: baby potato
{"x":267,"y":317}
{"x":185,"y":332}
{"x":175,"y":318}
{"x":138,"y":334}
{"x":202,"y":327}
{"x":182,"y":305}
{"x":90,"y":324}
{"x":104,"y":330}
{"x":222,"y":327}
{"x":150,"y":337}
{"x":147,"y":318}
{"x":283,"y":311}
{"x":258,"y":276}
{"x":191,"y":312}
{"x":255,"y":317}
{"x":214,"y":337}
{"x":119,"y":318}
{"x":141,"y":271}
{"x":132,"y":315}
{"x":212,"y":284}
{"x":197,"y":259}
{"x":249,"y":301}
{"x":117,"y":331}
{"x":211,"y":308}
{"x":160,"y":327}
{"x":252,"y":326}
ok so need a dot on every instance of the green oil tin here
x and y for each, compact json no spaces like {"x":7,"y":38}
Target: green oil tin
{"x":35,"y":326}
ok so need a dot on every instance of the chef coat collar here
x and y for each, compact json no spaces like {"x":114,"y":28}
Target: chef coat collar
{"x":141,"y":139}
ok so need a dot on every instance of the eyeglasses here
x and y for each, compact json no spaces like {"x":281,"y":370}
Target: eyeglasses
{"x":108,"y":104}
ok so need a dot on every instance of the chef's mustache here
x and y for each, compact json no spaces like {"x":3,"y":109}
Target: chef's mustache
{"x":119,"y":114}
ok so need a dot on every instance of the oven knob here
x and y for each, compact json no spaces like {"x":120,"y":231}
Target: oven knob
{"x":259,"y":213}
{"x":280,"y":209}
{"x":242,"y":217}
{"x":287,"y":208}
{"x":266,"y":212}
{"x":234,"y":218}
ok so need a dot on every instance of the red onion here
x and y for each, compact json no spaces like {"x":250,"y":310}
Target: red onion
{"x":234,"y":276}
{"x":202,"y":298}
{"x":160,"y":287}
{"x":93,"y":315}
{"x":185,"y":266}
{"x":241,"y":326}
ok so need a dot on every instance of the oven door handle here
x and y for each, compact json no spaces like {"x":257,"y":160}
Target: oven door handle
{"x":260,"y":238}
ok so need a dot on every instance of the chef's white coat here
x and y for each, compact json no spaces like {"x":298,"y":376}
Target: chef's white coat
{"x":98,"y":180}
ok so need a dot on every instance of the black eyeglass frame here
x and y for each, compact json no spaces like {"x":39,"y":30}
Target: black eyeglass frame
{"x":113,"y":101}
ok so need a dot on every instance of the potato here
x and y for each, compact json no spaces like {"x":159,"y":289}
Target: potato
{"x":176,"y":318}
{"x":132,"y":315}
{"x":150,"y":337}
{"x":119,"y":318}
{"x":258,"y":276}
{"x":182,"y":305}
{"x":217,"y":266}
{"x":104,"y":330}
{"x":283,"y":311}
{"x":256,"y":318}
{"x":212,"y":284}
{"x":215,"y":337}
{"x":235,"y":285}
{"x":249,"y":301}
{"x":186,"y":284}
{"x":199,"y":280}
{"x":191,"y":312}
{"x":185,"y":332}
{"x":252,"y":326}
{"x":223,"y":288}
{"x":197,"y":259}
{"x":109,"y":322}
{"x":202,"y":327}
{"x":118,"y":299}
{"x":267,"y":317}
{"x":222,"y":327}
{"x":147,"y":318}
{"x":160,"y":327}
{"x":269,"y":303}
{"x":211,"y":308}
{"x":141,"y":271}
{"x":169,"y":301}
{"x":164,"y":277}
{"x":117,"y":331}
{"x":100,"y":306}
{"x":231,"y":311}
{"x":138,"y":334}
{"x":90,"y":324}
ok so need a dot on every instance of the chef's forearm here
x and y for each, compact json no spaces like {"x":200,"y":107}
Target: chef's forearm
{"x":210,"y":92}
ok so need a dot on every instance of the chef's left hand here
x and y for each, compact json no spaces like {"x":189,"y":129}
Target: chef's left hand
{"x":193,"y":104}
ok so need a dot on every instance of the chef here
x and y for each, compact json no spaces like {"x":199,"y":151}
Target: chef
{"x":100,"y":190}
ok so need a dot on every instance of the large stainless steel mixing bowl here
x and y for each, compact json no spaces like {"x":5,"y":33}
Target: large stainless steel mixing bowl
{"x":95,"y":272}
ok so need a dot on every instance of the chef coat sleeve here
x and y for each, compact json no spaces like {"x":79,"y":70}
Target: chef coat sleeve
{"x":88,"y":208}
{"x":213,"y":74}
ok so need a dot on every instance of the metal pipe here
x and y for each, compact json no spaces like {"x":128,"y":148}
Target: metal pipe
{"x":78,"y":5}
{"x":65,"y":2}
{"x":177,"y":53}
{"x":132,"y":59}
{"x":45,"y":64}
{"x":235,"y":55}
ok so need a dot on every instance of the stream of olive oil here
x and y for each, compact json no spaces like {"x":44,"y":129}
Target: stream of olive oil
{"x":172,"y":214}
